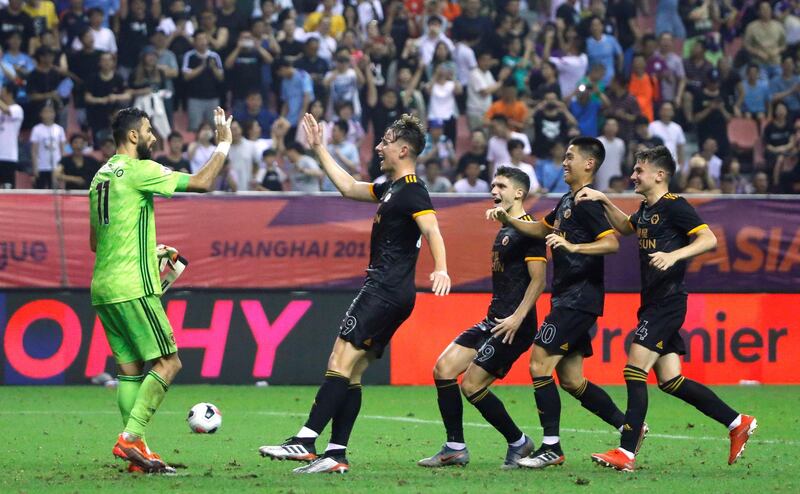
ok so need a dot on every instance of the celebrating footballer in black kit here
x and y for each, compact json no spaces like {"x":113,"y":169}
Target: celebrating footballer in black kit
{"x":405,"y":214}
{"x":486,"y":351}
{"x":578,"y":235}
{"x":669,"y":232}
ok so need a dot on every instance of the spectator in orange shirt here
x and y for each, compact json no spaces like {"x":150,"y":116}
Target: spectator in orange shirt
{"x":509,"y":106}
{"x":643,"y":86}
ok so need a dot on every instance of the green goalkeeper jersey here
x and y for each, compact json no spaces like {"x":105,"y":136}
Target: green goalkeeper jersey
{"x":121,"y":212}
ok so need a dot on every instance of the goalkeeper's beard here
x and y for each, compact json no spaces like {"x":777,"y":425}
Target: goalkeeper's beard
{"x":143,"y":150}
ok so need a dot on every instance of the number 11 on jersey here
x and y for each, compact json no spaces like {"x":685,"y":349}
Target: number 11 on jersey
{"x":102,"y":201}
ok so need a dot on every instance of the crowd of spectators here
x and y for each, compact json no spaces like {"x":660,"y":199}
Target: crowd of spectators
{"x":497,"y":83}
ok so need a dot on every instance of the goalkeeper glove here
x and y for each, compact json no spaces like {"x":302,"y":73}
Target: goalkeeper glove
{"x":170,"y":264}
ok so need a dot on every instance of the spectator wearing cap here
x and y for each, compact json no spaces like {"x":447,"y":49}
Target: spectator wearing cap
{"x":136,"y":27}
{"x":765,"y":40}
{"x":707,"y":110}
{"x":510,"y":106}
{"x":756,"y":95}
{"x":13,"y":19}
{"x":297,"y":91}
{"x":604,"y":49}
{"x":786,"y":87}
{"x":105,"y":93}
{"x":480,"y":88}
{"x":202,"y":70}
{"x":438,"y":146}
{"x":104,"y":39}
{"x":42,"y":85}
{"x":11,"y":116}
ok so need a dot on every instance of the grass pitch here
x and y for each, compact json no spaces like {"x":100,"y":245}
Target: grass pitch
{"x":59,"y":439}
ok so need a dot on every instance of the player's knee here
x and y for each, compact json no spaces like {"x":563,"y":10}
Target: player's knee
{"x":538,"y":369}
{"x":570,"y":384}
{"x":444,"y":370}
{"x":175,"y":364}
{"x":469,"y":387}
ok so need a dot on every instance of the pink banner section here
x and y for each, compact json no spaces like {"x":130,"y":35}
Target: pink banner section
{"x":322,"y":242}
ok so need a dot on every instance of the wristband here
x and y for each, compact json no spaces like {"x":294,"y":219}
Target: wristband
{"x":223,"y":147}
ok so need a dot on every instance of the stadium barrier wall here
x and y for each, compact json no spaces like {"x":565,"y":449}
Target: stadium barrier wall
{"x":241,"y":337}
{"x":291,"y":241}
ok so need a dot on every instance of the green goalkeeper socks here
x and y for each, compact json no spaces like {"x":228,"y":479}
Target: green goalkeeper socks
{"x":127,"y":390}
{"x":151,"y":394}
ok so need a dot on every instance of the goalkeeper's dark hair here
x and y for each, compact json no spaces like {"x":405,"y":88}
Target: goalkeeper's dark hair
{"x":410,"y":129}
{"x":126,"y":120}
{"x":517,"y":177}
{"x":591,"y":148}
{"x":658,"y":156}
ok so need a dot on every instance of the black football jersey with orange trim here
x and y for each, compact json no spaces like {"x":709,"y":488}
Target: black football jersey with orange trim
{"x":396,"y":239}
{"x":665,"y":226}
{"x":578,"y":279}
{"x":511,"y":253}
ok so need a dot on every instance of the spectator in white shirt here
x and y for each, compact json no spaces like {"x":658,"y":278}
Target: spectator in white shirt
{"x":497,"y":151}
{"x":443,"y":90}
{"x":481,"y":87}
{"x":47,"y":147}
{"x":669,"y":132}
{"x":516,"y":149}
{"x":427,"y":44}
{"x":709,"y":152}
{"x":471,"y":183}
{"x":11,"y":116}
{"x":104,"y":39}
{"x":244,"y":159}
{"x":344,"y":153}
{"x":434,"y":179}
{"x":615,"y":154}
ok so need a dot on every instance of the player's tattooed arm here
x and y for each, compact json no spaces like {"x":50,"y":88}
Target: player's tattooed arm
{"x":704,"y":241}
{"x":507,"y":327}
{"x":605,"y":245}
{"x":536,"y":229}
{"x":344,"y":182}
{"x":618,"y":219}
{"x":430,"y":230}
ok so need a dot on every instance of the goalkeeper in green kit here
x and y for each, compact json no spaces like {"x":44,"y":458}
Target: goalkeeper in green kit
{"x":125,"y":284}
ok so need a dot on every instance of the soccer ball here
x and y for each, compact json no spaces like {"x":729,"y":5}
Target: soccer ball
{"x":204,"y":418}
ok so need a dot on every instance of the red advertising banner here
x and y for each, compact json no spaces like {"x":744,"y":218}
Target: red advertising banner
{"x":730,"y":338}
{"x":291,"y":241}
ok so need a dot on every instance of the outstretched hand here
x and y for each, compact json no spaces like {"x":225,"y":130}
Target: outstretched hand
{"x":313,"y":130}
{"x":498,"y":214}
{"x":222,"y":126}
{"x":441,"y":283}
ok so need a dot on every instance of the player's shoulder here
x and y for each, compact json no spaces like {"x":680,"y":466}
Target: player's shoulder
{"x":412,"y":184}
{"x":675,"y":201}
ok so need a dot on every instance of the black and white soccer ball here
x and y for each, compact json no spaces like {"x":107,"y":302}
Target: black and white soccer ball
{"x":204,"y":418}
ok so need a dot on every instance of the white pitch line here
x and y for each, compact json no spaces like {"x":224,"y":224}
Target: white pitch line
{"x":410,"y":420}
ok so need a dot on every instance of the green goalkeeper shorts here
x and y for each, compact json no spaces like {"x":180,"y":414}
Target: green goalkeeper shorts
{"x":137,"y":330}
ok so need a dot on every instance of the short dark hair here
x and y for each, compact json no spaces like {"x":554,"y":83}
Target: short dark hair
{"x":296,"y":146}
{"x":342,"y":125}
{"x":591,"y":147}
{"x":500,"y":118}
{"x":95,"y":10}
{"x":410,"y":129}
{"x":517,"y":176}
{"x":126,"y":120}
{"x":433,"y":161}
{"x":283,"y":63}
{"x":658,"y":156}
{"x":514,"y":144}
{"x":269,"y":152}
{"x":77,"y":135}
{"x":641,"y":120}
{"x":174,"y":135}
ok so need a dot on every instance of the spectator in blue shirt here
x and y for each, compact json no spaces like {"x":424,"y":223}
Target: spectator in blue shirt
{"x":22,"y":62}
{"x":585,"y":105}
{"x":603,"y":49}
{"x":756,"y":94}
{"x":297,"y":91}
{"x":254,"y":109}
{"x":786,"y":87}
{"x":550,"y":172}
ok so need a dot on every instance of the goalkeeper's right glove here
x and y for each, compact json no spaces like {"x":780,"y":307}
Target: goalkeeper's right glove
{"x":171,"y":265}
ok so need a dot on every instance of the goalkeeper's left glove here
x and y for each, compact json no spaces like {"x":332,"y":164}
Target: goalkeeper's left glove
{"x":171,"y":264}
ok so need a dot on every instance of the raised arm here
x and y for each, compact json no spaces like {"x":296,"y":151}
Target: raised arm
{"x":203,"y":180}
{"x":344,"y":182}
{"x":537,"y":229}
{"x":430,"y":230}
{"x":618,"y":219}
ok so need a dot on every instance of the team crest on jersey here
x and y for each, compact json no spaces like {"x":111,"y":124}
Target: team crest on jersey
{"x":505,"y":240}
{"x":567,"y":213}
{"x":557,"y":224}
{"x":654,"y":219}
{"x":119,"y":173}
